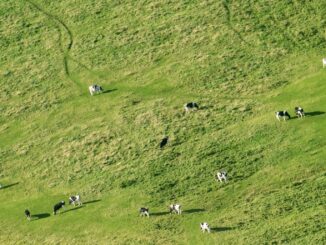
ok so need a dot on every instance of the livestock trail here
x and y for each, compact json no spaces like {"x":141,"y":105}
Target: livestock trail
{"x":226,"y":4}
{"x":64,"y":48}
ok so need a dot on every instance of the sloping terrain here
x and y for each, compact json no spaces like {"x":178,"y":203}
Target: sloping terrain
{"x":240,"y":60}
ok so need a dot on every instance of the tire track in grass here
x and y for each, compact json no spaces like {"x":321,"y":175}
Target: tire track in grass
{"x":64,"y":49}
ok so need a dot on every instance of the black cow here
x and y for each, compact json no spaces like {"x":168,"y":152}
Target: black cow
{"x":164,"y":141}
{"x":190,"y":106}
{"x":58,"y":206}
{"x":282,"y":114}
{"x":299,"y":111}
{"x":28,"y":214}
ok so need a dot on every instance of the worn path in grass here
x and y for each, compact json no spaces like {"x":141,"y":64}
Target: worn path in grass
{"x":64,"y":48}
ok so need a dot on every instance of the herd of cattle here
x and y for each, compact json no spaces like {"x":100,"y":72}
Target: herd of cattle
{"x":73,"y":200}
{"x":173,"y":208}
{"x":285,"y":115}
{"x":94,"y":89}
{"x":176,"y":208}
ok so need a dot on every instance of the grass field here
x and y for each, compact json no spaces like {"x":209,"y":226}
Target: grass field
{"x":240,"y":60}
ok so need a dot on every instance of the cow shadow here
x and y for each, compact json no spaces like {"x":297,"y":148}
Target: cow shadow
{"x":308,"y":114}
{"x":40,"y":216}
{"x":159,"y":213}
{"x":93,"y":201}
{"x":205,"y":107}
{"x":8,"y":186}
{"x":109,"y":91}
{"x":135,"y":102}
{"x":314,"y":113}
{"x":73,"y":209}
{"x":194,"y":210}
{"x":221,"y":229}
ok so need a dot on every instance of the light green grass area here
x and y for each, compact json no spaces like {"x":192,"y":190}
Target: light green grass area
{"x":240,"y":60}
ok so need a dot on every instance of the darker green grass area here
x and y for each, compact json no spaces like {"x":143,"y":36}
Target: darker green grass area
{"x":239,"y":60}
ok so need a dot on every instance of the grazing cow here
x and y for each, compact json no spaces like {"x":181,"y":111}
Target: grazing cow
{"x":75,"y":200}
{"x":299,"y":111}
{"x":164,"y":141}
{"x":205,"y":227}
{"x":94,"y":89}
{"x":222,"y":175}
{"x":175,"y":208}
{"x":282,"y":114}
{"x":191,"y":106}
{"x":324,"y":62}
{"x":28,"y":214}
{"x":58,"y":206}
{"x":144,"y":212}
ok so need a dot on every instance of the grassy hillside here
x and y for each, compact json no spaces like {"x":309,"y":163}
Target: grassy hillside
{"x":240,"y":60}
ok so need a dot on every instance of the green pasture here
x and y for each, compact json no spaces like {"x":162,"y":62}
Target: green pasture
{"x":240,"y":60}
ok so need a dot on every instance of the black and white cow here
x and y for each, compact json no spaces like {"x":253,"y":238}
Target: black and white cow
{"x":144,"y":212}
{"x":164,"y":141}
{"x":94,"y":89}
{"x":221,"y":176}
{"x":191,"y":106}
{"x":28,"y":214}
{"x":75,"y":200}
{"x":58,"y":206}
{"x":205,"y":227}
{"x":299,"y":111}
{"x":175,"y":208}
{"x":282,"y":114}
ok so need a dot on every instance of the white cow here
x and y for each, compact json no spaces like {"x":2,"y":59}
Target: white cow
{"x":75,"y":200}
{"x":205,"y":227}
{"x":324,"y":62}
{"x":175,"y":208}
{"x":94,"y":89}
{"x":144,"y":212}
{"x":221,"y":175}
{"x":299,"y":111}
